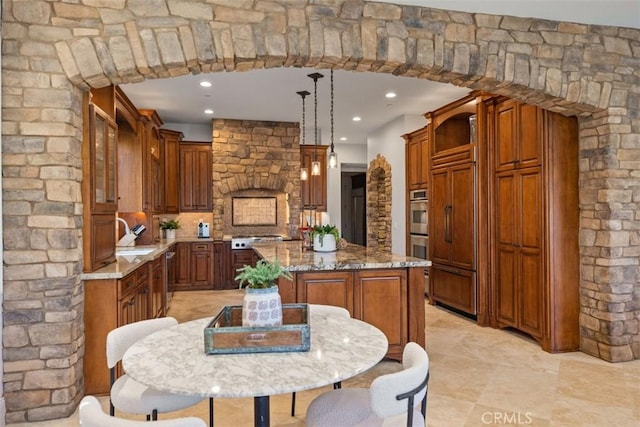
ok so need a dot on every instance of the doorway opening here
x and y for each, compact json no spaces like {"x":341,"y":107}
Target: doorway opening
{"x":354,"y":207}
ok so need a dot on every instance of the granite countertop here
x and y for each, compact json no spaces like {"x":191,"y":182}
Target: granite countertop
{"x":126,"y":264}
{"x":353,"y":257}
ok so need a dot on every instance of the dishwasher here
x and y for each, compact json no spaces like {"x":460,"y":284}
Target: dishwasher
{"x":170,"y":276}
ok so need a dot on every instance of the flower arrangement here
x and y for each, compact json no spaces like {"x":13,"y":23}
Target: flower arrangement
{"x":263,"y":275}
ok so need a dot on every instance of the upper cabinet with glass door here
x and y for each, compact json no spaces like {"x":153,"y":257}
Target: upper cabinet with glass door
{"x":103,"y":137}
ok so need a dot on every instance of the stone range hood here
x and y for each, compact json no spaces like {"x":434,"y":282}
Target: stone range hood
{"x":255,"y":159}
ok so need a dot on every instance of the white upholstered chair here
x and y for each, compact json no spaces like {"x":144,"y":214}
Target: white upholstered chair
{"x":127,"y":394}
{"x":390,"y":401}
{"x":92,"y":415}
{"x":322,"y":310}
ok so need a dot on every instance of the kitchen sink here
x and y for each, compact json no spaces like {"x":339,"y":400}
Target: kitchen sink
{"x":134,"y":251}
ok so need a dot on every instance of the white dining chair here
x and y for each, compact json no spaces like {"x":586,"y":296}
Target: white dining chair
{"x":130,"y":396}
{"x":390,"y":401}
{"x":92,"y":415}
{"x":322,"y":310}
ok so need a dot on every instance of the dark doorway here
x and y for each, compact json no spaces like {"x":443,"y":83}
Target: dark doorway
{"x":353,"y":207}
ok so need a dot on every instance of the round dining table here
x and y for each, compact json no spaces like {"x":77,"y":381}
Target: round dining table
{"x":174,"y":360}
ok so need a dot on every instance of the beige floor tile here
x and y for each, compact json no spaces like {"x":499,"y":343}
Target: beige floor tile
{"x":479,"y":377}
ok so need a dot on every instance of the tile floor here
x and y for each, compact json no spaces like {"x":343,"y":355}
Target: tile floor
{"x":479,"y":377}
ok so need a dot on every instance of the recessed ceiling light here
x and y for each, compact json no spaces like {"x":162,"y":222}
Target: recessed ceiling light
{"x":208,"y":111}
{"x":390,"y":95}
{"x":356,"y":118}
{"x":205,"y":83}
{"x":343,"y":138}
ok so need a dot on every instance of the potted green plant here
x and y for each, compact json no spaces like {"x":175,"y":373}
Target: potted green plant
{"x":170,"y":226}
{"x":261,"y":305}
{"x":325,"y":237}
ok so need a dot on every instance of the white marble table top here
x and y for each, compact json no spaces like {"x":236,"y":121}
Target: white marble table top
{"x":174,"y":360}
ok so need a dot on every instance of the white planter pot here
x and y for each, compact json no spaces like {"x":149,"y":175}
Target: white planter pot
{"x":170,"y":233}
{"x":328,"y":243}
{"x":261,"y":307}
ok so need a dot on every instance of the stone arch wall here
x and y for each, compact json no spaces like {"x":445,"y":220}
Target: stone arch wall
{"x":379,"y":204}
{"x":53,"y":50}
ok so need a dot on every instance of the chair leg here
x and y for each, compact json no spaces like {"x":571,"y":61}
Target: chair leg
{"x":337,"y":385}
{"x":154,"y":415}
{"x":293,"y":404}
{"x":211,"y":412}
{"x":112,"y":409}
{"x":148,"y":417}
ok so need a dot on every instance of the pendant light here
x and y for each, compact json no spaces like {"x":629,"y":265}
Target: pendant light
{"x":333,"y":156}
{"x":315,"y":165}
{"x":304,"y":173}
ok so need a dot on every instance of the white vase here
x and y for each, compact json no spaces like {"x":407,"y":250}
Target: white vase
{"x":170,"y":233}
{"x":328,"y":243}
{"x":262,"y":307}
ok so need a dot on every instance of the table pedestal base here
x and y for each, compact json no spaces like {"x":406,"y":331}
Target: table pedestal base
{"x":261,"y":411}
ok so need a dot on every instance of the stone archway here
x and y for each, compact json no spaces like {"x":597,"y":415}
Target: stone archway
{"x":379,"y":204}
{"x":52,"y":51}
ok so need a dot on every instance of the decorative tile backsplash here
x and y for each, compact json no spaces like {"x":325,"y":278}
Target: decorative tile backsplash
{"x":254,"y":211}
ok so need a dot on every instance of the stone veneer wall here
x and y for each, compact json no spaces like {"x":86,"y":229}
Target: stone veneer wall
{"x":379,"y":204}
{"x":53,"y":50}
{"x":255,"y":155}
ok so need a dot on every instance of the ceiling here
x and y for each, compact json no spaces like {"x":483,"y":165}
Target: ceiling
{"x":271,"y":94}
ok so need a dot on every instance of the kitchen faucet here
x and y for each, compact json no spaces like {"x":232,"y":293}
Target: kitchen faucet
{"x":129,"y":238}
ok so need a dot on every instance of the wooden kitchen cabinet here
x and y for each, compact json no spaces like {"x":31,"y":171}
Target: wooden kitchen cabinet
{"x":416,"y":159}
{"x":109,"y":304}
{"x":99,"y":185}
{"x":313,"y":191}
{"x":380,"y":299}
{"x":157,"y":287}
{"x":195,"y":190}
{"x":240,"y":258}
{"x":390,"y":299}
{"x":194,"y":266}
{"x":534,"y":173}
{"x":453,"y":205}
{"x":451,"y":215}
{"x":170,"y":161}
{"x":202,"y":266}
{"x":327,"y":287}
{"x":153,"y":179}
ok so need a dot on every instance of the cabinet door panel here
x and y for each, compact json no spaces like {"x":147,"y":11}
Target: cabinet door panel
{"x":326,"y":288}
{"x":414,"y":163}
{"x":454,"y":287}
{"x":103,"y":240}
{"x":531,"y":209}
{"x":505,"y":209}
{"x":438,"y":226}
{"x":183,"y":264}
{"x":381,"y":300}
{"x":506,"y":286}
{"x":531,"y":292}
{"x":462,"y":216}
{"x":506,"y":134}
{"x":530,"y":147}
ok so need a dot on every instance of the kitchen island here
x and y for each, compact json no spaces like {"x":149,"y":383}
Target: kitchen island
{"x":380,"y":288}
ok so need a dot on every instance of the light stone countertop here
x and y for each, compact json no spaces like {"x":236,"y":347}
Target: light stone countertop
{"x":293,"y":257}
{"x":174,"y":360}
{"x":129,"y":263}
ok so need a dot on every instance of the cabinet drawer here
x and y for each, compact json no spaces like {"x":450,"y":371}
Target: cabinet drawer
{"x":126,"y":285}
{"x":201,"y":247}
{"x":142,"y":273}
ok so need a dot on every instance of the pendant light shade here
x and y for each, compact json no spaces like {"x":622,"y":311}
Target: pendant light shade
{"x":315,"y":168}
{"x":304,"y":173}
{"x":333,"y":159}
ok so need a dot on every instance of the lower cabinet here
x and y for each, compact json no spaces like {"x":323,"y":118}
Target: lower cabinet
{"x":111,"y":303}
{"x":455,"y":287}
{"x":390,"y":299}
{"x":158,"y":293}
{"x":194,"y":267}
{"x":240,"y":258}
